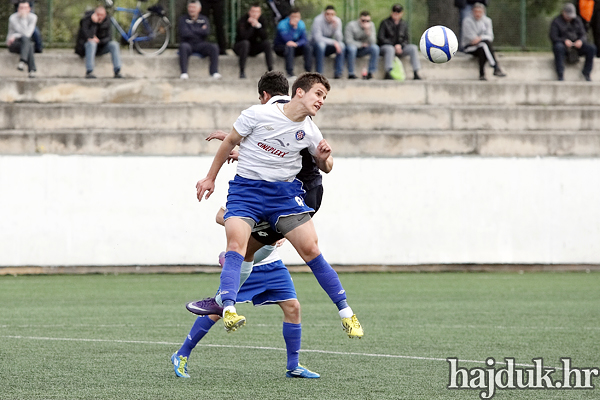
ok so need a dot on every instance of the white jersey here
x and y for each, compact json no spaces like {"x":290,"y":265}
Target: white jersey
{"x":270,"y":149}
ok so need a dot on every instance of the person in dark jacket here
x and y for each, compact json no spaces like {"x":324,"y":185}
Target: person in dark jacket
{"x":193,"y":29}
{"x":251,"y":39}
{"x":567,"y":33}
{"x":93,"y":39}
{"x":393,"y":40}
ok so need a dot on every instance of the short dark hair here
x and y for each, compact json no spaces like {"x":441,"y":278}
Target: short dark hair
{"x":330,"y":7}
{"x":397,"y":8}
{"x":309,"y":79}
{"x":365,"y":13}
{"x":274,"y":83}
{"x":254,"y":5}
{"x":294,"y":10}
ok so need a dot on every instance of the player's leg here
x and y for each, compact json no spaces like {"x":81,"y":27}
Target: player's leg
{"x":238,"y":232}
{"x":292,"y":334}
{"x":302,"y":235}
{"x":179,"y":359}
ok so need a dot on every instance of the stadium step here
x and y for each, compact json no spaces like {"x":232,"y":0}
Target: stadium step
{"x":359,"y":143}
{"x":65,"y":64}
{"x":141,"y":91}
{"x":348,"y":117}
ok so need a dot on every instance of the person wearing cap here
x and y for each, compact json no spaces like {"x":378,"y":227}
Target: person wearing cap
{"x":477,"y":37}
{"x":567,"y":33}
{"x":393,"y":40}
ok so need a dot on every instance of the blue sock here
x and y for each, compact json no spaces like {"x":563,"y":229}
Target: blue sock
{"x":327,"y":278}
{"x":230,"y":276}
{"x":199,"y":329}
{"x":292,"y":334}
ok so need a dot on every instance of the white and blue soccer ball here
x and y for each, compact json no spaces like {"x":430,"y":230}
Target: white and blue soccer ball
{"x":439,"y":44}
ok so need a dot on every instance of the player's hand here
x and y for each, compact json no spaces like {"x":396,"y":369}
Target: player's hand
{"x":205,"y":185}
{"x":219,"y":135}
{"x":323,"y":150}
{"x":233,"y":156}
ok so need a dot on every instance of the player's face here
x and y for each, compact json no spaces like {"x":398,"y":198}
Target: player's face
{"x":254,"y":12}
{"x":313,"y":99}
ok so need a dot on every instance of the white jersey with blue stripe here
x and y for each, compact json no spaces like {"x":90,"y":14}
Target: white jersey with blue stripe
{"x":270,"y":149}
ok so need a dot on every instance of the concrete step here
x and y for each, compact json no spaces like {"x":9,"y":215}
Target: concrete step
{"x":64,"y":63}
{"x":144,"y":91}
{"x":350,"y":117}
{"x":390,"y":143}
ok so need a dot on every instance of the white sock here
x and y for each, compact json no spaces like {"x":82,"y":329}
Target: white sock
{"x":228,"y":308}
{"x":346,"y":312}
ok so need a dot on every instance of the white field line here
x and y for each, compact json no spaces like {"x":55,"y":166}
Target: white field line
{"x":256,"y":348}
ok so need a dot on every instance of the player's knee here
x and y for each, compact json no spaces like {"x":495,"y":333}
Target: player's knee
{"x":291,"y":311}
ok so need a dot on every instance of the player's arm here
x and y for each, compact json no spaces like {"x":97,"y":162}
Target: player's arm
{"x":207,"y":185}
{"x":323,"y":157}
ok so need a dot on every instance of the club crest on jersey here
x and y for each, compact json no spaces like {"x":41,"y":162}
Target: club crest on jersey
{"x":300,"y":135}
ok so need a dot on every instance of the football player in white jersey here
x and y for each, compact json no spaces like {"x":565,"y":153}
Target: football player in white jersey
{"x":265,"y":189}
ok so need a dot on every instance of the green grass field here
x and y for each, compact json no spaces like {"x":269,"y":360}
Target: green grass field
{"x":110,"y":337}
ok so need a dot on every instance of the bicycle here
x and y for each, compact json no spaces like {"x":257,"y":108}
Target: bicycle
{"x":148,"y":32}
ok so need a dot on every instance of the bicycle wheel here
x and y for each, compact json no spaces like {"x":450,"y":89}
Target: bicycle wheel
{"x":151,"y":34}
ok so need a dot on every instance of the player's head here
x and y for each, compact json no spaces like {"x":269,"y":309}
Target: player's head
{"x":272,"y":83}
{"x":311,"y":89}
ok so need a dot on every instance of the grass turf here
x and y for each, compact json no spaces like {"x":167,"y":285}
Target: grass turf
{"x":126,"y":327}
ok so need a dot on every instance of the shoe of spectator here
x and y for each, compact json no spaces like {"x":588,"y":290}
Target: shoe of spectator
{"x":368,"y":76}
{"x":184,"y":76}
{"x":388,"y":75}
{"x":587,"y":77}
{"x":21,"y":66}
{"x":242,"y":75}
{"x":482,"y":78}
{"x":90,"y":75}
{"x":32,"y":74}
{"x":118,"y":75}
{"x":498,"y":72}
{"x":352,"y":76}
{"x":216,"y":75}
{"x":337,"y":76}
{"x":416,"y":76}
{"x":222,"y":52}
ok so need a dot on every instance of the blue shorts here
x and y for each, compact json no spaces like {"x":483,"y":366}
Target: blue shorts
{"x":265,"y":201}
{"x":268,"y":283}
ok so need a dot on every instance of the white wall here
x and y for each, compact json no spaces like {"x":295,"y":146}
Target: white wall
{"x":83,"y":210}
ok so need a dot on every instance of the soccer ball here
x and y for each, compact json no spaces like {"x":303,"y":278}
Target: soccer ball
{"x":439,"y":44}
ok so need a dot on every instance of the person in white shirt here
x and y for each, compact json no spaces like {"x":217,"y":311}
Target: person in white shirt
{"x":266,"y":189}
{"x":21,"y":26}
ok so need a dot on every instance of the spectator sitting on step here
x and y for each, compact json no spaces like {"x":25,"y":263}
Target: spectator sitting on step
{"x":567,"y":34}
{"x":193,"y":29}
{"x":361,"y":40}
{"x":93,"y":39}
{"x":477,"y":38}
{"x":20,"y":29}
{"x":37,"y":35}
{"x":291,"y":41}
{"x":251,"y":39}
{"x":327,"y":38}
{"x":393,"y":41}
